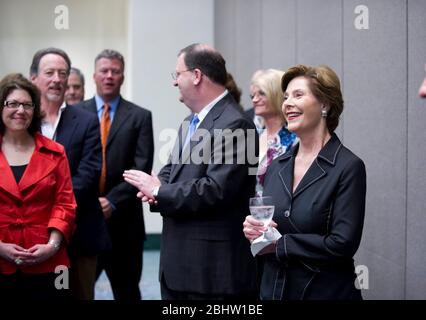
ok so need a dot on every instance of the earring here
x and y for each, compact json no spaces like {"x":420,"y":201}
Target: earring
{"x":324,"y":113}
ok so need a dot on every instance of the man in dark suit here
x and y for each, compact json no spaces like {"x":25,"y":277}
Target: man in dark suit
{"x":126,"y":131}
{"x":78,"y":131}
{"x":203,"y":192}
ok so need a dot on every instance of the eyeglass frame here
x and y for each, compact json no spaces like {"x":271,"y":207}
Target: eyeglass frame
{"x":25,"y":105}
{"x":176,"y":74}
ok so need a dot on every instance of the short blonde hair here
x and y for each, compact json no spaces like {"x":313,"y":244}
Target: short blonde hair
{"x":269,"y":81}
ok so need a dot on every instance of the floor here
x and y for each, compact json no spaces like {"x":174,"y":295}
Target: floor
{"x":150,"y":286}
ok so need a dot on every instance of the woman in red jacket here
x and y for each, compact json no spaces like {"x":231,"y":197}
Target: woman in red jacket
{"x":37,"y":205}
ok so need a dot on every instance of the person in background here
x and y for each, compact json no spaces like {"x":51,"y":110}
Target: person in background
{"x":127,"y":143}
{"x":233,"y":89}
{"x":37,"y":204}
{"x":78,"y":131}
{"x":75,"y":87}
{"x":257,"y":120}
{"x":275,"y":140}
{"x":204,"y":254}
{"x":318,"y":189}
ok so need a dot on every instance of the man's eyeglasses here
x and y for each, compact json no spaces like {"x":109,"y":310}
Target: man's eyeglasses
{"x":176,"y":74}
{"x":16,"y":104}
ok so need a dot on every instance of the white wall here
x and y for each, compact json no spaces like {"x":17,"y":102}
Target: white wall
{"x":27,"y":26}
{"x":148,"y":33}
{"x":158,"y":29}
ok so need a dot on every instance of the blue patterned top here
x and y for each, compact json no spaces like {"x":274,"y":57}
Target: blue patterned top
{"x":282,"y":142}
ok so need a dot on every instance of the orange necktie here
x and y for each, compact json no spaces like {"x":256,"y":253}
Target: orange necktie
{"x":105,"y":126}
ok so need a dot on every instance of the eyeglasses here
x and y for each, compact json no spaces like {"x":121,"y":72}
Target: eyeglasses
{"x":176,"y":74}
{"x":259,"y":94}
{"x":16,"y":104}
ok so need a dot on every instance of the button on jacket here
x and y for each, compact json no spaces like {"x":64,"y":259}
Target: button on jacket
{"x":321,"y":223}
{"x":42,"y":199}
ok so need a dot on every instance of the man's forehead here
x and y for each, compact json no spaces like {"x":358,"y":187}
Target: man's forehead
{"x":104,"y":60}
{"x":52,"y":58}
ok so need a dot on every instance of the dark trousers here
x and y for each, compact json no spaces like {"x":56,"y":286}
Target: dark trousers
{"x":123,"y":267}
{"x":83,"y":276}
{"x":31,"y":287}
{"x":169,"y":294}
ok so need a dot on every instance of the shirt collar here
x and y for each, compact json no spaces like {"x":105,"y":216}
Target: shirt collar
{"x":203,"y":113}
{"x":328,"y":152}
{"x":112,"y":104}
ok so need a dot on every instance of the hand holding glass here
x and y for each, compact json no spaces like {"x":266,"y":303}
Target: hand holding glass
{"x":262,"y":209}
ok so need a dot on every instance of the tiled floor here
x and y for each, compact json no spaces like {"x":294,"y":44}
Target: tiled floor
{"x":150,"y":286}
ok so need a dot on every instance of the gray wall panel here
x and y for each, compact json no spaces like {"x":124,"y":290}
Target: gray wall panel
{"x":416,"y":184}
{"x":224,"y":31}
{"x":319,"y":33}
{"x":247,"y":44}
{"x":319,"y":37}
{"x":375,"y":129}
{"x":385,"y":278}
{"x":278,"y":34}
{"x":381,"y":69}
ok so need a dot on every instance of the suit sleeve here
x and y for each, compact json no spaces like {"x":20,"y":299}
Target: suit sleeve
{"x":163,"y":176}
{"x":346,"y":224}
{"x":143,"y":159}
{"x":63,"y":212}
{"x":216,"y":186}
{"x":86,"y":177}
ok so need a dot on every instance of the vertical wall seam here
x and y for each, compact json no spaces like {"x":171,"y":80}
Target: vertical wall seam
{"x":296,"y":30}
{"x":261,"y":34}
{"x":406,"y":152}
{"x":235,"y":25}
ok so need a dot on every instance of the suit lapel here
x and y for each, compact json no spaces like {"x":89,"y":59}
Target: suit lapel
{"x":8,"y":181}
{"x":177,"y":149}
{"x":199,"y":136}
{"x":39,"y":167}
{"x":314,"y":173}
{"x":90,"y":105}
{"x":120,"y":116}
{"x":66,"y":128}
{"x":286,"y":173}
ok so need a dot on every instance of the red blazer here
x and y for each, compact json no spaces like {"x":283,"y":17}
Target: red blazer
{"x":43,"y":199}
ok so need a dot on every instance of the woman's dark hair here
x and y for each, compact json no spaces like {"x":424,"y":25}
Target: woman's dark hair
{"x":16,"y":81}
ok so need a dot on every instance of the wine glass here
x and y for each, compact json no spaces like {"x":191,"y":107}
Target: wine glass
{"x":262,"y":209}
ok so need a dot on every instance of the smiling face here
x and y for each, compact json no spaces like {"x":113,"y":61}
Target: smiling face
{"x":261,"y":104}
{"x":184,"y":81}
{"x":109,"y":76}
{"x":17,"y":119}
{"x":52,"y":78}
{"x":301,"y":108}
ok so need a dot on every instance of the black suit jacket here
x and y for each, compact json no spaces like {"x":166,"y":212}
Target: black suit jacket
{"x":321,"y":223}
{"x":203,"y":205}
{"x":250,"y":113}
{"x":130,"y":145}
{"x":78,"y":132}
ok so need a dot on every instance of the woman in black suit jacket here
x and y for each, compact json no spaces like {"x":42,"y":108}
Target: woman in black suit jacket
{"x":318,"y":188}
